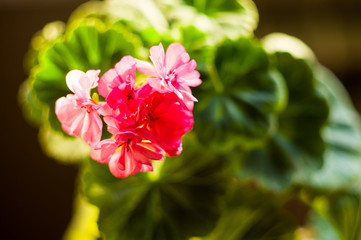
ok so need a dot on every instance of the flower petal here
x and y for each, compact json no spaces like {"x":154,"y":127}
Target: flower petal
{"x":125,"y":68}
{"x":93,"y":76}
{"x":146,"y":68}
{"x":187,"y":75}
{"x":105,"y":109}
{"x":104,"y":150}
{"x":75,"y":129}
{"x":145,"y":151}
{"x":159,"y":85}
{"x":93,"y":131}
{"x":158,"y":58}
{"x":108,"y":81}
{"x":117,"y":164}
{"x":72,"y":79}
{"x":122,"y":163}
{"x":188,"y":98}
{"x":70,"y":114}
{"x":81,"y":83}
{"x":176,"y":55}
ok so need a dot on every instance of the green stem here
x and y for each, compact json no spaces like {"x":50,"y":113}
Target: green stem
{"x":356,"y":227}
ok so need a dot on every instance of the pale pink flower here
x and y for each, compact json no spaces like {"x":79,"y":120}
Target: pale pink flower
{"x":172,"y":72}
{"x":78,"y":113}
{"x":128,"y":153}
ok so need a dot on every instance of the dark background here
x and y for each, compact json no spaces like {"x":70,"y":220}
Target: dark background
{"x":36,"y":192}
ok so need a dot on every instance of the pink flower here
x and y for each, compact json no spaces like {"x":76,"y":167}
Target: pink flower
{"x":118,"y":86}
{"x":128,"y":152}
{"x":122,"y":76}
{"x":78,"y":113}
{"x":167,"y":120}
{"x":172,"y":72}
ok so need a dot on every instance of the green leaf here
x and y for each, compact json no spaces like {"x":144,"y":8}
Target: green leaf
{"x":32,"y":109}
{"x":141,"y":17}
{"x":61,"y":147}
{"x":295,"y":151}
{"x":239,"y":109}
{"x":195,"y":42}
{"x":41,"y":40}
{"x":182,"y":198}
{"x":212,"y":6}
{"x":342,"y":134}
{"x":252,"y":213}
{"x":232,"y":18}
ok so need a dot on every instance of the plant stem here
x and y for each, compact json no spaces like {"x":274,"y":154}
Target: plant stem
{"x":355,"y":236}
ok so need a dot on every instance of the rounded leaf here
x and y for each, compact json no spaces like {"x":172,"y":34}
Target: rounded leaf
{"x":239,"y":109}
{"x":295,"y":150}
{"x":180,"y":199}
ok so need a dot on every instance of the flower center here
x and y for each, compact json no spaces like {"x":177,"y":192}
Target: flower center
{"x":89,"y":105}
{"x":170,"y":77}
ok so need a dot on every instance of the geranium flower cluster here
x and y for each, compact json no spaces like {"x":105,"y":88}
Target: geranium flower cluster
{"x":147,"y":120}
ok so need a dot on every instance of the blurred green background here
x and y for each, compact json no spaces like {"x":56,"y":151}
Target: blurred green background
{"x":37,"y":192}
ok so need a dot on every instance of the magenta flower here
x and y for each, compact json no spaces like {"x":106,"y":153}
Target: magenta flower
{"x":128,"y":152}
{"x":172,"y":72}
{"x":168,"y":121}
{"x":78,"y":113}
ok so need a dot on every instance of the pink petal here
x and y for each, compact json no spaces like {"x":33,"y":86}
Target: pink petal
{"x":108,"y":81}
{"x":81,"y":83}
{"x":92,"y":132}
{"x":146,"y":68}
{"x":173,"y":149}
{"x":104,"y":150}
{"x":179,"y":94}
{"x":117,"y":96}
{"x":158,"y":58}
{"x":112,"y":124}
{"x":122,"y":164}
{"x":188,"y":75}
{"x":93,"y":76}
{"x":117,"y":164}
{"x":169,"y":121}
{"x":70,"y":114}
{"x":176,"y":55}
{"x":188,"y":99}
{"x":72,"y":79}
{"x":145,"y":151}
{"x":146,"y":168}
{"x":66,"y":109}
{"x":159,"y":85}
{"x":188,"y":96}
{"x":143,"y":91}
{"x":125,"y":68}
{"x":139,"y":157}
{"x":124,"y":135}
{"x":76,"y":127}
{"x":105,"y":109}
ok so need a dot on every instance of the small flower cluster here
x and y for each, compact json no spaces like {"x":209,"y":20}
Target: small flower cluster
{"x":146,"y":121}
